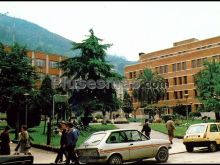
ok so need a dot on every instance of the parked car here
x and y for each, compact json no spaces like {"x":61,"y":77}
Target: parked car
{"x":121,"y":145}
{"x":202,"y":135}
{"x":16,"y":159}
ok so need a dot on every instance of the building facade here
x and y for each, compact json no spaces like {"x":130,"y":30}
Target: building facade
{"x":177,"y":65}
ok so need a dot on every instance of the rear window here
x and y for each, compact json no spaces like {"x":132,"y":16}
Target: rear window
{"x":196,"y":129}
{"x":95,"y":139}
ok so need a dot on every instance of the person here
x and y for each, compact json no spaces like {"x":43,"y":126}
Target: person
{"x":5,"y":142}
{"x":146,"y":128}
{"x":72,"y":137}
{"x":24,"y":142}
{"x":63,"y":142}
{"x":170,"y":128}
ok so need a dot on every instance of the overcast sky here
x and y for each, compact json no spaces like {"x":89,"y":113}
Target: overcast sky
{"x":132,"y":27}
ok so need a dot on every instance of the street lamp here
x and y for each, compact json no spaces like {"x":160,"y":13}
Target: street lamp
{"x":186,"y":95}
{"x":26,"y":95}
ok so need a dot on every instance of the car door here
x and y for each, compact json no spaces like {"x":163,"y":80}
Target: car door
{"x":139,"y":145}
{"x":214,"y":133}
{"x":218,"y":138}
{"x":117,"y":143}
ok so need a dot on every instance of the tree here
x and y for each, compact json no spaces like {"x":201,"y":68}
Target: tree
{"x":93,"y":76}
{"x":127,"y":103}
{"x":207,"y":83}
{"x":17,"y":77}
{"x":152,"y":88}
{"x":46,"y":97}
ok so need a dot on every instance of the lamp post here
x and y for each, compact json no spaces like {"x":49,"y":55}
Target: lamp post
{"x":186,"y":95}
{"x":26,"y":95}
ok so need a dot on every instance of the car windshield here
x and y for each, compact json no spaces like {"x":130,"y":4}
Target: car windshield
{"x":95,"y":139}
{"x":196,"y":129}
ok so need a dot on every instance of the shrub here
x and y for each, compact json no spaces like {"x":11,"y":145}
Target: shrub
{"x":99,"y":116}
{"x":159,"y":120}
{"x":195,"y":114}
{"x":166,"y":117}
{"x":178,"y":122}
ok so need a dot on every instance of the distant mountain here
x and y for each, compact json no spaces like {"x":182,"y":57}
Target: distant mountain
{"x":40,"y":39}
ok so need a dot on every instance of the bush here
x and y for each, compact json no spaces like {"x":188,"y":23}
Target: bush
{"x":99,"y":116}
{"x":166,"y":117}
{"x":178,"y":122}
{"x":159,"y":120}
{"x":195,"y":114}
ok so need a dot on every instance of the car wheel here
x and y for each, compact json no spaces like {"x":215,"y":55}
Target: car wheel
{"x":162,"y":155}
{"x":189,"y":148}
{"x":115,"y":159}
{"x":212,"y":147}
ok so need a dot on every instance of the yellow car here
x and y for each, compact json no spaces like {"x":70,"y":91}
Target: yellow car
{"x":202,"y":135}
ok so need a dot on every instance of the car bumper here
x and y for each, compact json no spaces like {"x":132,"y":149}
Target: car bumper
{"x":197,"y":143}
{"x":93,"y":159}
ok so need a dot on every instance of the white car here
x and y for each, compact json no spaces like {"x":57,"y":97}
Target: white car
{"x":121,"y":145}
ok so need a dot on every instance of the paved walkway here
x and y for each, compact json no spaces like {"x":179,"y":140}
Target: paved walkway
{"x":177,"y":146}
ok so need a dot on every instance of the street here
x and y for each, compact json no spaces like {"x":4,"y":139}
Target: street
{"x":178,"y":152}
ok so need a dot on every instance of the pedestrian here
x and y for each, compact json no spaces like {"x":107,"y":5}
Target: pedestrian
{"x":63,"y":142}
{"x":24,"y":142}
{"x":170,"y":128}
{"x":72,"y":137}
{"x":146,"y":128}
{"x":5,"y":142}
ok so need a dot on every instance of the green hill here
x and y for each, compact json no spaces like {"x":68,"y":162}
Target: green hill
{"x":40,"y":39}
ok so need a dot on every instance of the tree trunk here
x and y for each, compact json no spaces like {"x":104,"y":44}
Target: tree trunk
{"x":49,"y":131}
{"x":17,"y":125}
{"x":45,"y":122}
{"x":104,"y":117}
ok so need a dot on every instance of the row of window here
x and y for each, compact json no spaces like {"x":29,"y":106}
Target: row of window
{"x":42,"y":63}
{"x":180,"y":80}
{"x":184,"y":51}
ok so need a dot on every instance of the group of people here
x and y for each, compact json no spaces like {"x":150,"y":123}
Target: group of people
{"x":69,"y":136}
{"x":169,"y":125}
{"x":23,"y":145}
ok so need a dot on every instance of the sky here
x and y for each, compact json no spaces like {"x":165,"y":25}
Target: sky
{"x":132,"y":27}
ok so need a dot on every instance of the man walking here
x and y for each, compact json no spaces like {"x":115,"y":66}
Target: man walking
{"x":170,"y":128}
{"x":146,"y":128}
{"x":72,"y":137}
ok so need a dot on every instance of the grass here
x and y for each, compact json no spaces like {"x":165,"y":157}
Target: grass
{"x":39,"y":138}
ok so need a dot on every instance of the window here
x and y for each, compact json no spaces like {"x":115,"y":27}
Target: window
{"x":183,"y":65}
{"x":180,"y":80}
{"x":195,"y":93}
{"x":204,"y":59}
{"x":178,"y":66}
{"x":161,"y":69}
{"x":95,"y":139}
{"x":213,"y":128}
{"x":133,"y":136}
{"x":174,"y":81}
{"x":53,"y":64}
{"x":167,"y":83}
{"x":174,"y":67}
{"x":193,"y":63}
{"x":199,"y":62}
{"x":134,"y":74}
{"x":185,"y":79}
{"x":130,"y":75}
{"x":165,"y":68}
{"x":40,"y":63}
{"x":157,"y":69}
{"x":215,"y":57}
{"x":175,"y":95}
{"x":167,"y":96}
{"x":186,"y":91}
{"x":117,"y":137}
{"x":181,"y":94}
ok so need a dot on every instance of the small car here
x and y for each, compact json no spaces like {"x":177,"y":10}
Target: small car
{"x":122,"y":145}
{"x":16,"y":159}
{"x":202,"y":135}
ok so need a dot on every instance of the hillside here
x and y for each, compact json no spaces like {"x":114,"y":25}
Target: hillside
{"x":40,"y":39}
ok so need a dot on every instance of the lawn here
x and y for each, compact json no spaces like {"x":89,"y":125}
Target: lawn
{"x":39,"y":138}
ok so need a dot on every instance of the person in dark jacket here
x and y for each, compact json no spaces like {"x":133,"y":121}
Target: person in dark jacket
{"x":63,"y":142}
{"x":72,"y":137}
{"x":146,"y":128}
{"x":5,"y":142}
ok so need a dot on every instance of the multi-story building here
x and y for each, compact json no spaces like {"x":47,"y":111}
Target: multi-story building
{"x":177,"y":65}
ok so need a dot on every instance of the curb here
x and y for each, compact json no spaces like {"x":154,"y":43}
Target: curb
{"x":43,"y":147}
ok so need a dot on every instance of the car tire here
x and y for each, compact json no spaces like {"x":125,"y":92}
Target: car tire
{"x":162,"y":155}
{"x":212,"y":147}
{"x":115,"y":159}
{"x":189,"y":148}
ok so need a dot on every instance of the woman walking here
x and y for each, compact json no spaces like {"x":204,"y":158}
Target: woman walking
{"x":24,"y":142}
{"x":5,"y":142}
